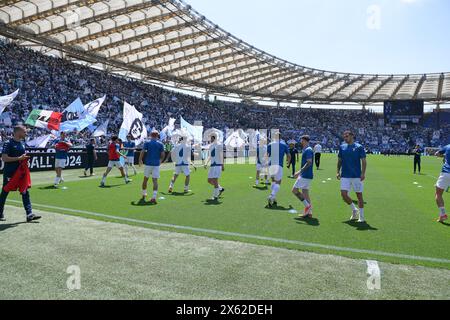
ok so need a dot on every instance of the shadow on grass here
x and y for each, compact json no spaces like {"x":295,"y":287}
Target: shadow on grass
{"x":355,"y":202}
{"x":261,"y":188}
{"x":279,"y":208}
{"x":313,"y":222}
{"x":142,"y":203}
{"x":111,"y":186}
{"x":119,"y":177}
{"x":48,"y":188}
{"x":445,"y":224}
{"x":6,"y":226}
{"x":178,"y":194}
{"x":211,"y":202}
{"x":364,"y":226}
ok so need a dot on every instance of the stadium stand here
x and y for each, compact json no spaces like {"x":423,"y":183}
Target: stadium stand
{"x":52,"y":83}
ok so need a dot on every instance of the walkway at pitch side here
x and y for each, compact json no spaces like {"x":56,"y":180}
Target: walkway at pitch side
{"x":119,"y":261}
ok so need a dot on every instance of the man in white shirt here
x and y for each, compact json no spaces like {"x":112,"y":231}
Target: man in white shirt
{"x":317,"y":155}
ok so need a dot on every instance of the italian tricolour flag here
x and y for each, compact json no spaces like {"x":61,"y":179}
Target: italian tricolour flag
{"x":44,"y":119}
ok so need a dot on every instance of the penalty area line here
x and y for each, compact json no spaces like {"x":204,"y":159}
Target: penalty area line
{"x":243,"y":235}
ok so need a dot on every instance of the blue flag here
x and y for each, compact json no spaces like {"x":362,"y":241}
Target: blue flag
{"x":75,"y":117}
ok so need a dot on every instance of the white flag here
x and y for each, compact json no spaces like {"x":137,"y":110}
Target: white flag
{"x":235,"y":141}
{"x":196,"y":132}
{"x":168,"y":130}
{"x":6,"y":100}
{"x":93,"y":107}
{"x":133,"y":125}
{"x":39,"y":142}
{"x":102,"y":130}
{"x":219,"y":134}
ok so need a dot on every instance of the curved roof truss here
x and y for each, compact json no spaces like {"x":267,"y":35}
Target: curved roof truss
{"x":169,"y":42}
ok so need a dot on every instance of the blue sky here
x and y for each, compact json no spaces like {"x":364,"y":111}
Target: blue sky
{"x":360,"y":36}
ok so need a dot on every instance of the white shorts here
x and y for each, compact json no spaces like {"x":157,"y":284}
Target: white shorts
{"x":303,"y":184}
{"x":183,"y":169}
{"x":261,"y":167}
{"x":444,"y":181}
{"x":154,"y":172}
{"x":112,"y":164}
{"x":60,"y":163}
{"x":347,"y":184}
{"x":215,"y":172}
{"x":130,"y":160}
{"x":276,"y":172}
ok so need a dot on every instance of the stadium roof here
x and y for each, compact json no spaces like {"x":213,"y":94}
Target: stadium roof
{"x":169,"y":42}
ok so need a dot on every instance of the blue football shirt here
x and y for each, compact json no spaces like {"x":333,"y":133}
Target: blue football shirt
{"x":261,"y":151}
{"x":154,"y":148}
{"x":12,"y":148}
{"x":351,"y":155}
{"x":445,"y":151}
{"x":308,"y":154}
{"x":130,"y":145}
{"x":182,"y":152}
{"x":276,"y":151}
{"x":216,"y":151}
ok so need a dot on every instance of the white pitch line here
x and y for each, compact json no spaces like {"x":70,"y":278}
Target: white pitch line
{"x":246,"y":236}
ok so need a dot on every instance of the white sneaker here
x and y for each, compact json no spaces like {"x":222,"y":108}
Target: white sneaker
{"x":354,"y":215}
{"x":361,"y":219}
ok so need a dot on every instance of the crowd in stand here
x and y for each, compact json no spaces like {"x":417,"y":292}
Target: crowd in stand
{"x":52,"y":83}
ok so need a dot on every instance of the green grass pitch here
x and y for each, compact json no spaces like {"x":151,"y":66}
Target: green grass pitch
{"x":400,"y":210}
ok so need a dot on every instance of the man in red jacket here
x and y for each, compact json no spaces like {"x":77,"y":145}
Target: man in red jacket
{"x":12,"y":154}
{"x":21,"y":180}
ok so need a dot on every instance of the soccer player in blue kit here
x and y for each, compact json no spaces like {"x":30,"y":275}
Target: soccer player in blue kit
{"x":130,"y":147}
{"x":351,"y":170}
{"x":305,"y":177}
{"x":276,"y":152}
{"x":443,"y":183}
{"x":153,"y":153}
